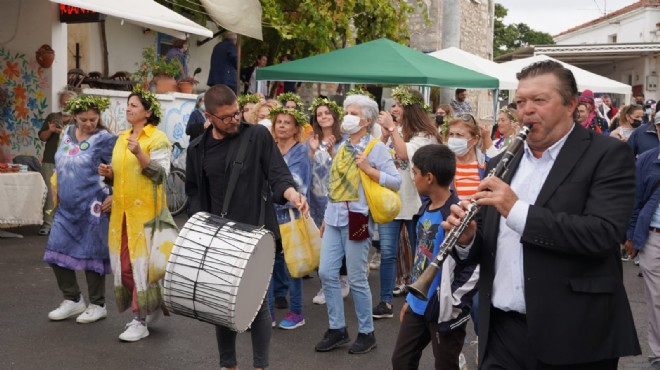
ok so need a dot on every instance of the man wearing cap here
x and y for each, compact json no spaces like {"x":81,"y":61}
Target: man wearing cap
{"x":459,"y":103}
{"x":593,"y":121}
{"x":644,"y":138}
{"x":644,"y":239}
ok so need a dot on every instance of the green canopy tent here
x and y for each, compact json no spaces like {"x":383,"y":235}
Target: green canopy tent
{"x":380,"y":61}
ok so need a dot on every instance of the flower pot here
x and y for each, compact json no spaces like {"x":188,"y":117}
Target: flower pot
{"x":165,"y":84}
{"x":185,"y":87}
{"x":45,"y":56}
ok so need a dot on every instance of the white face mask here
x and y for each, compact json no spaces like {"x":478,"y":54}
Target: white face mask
{"x":458,"y":145}
{"x":350,"y":124}
{"x":202,"y":108}
{"x":266,"y":122}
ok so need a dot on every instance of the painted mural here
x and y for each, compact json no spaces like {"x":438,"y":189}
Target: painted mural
{"x":23,"y":105}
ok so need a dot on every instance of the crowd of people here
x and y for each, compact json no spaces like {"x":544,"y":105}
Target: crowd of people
{"x":545,"y":250}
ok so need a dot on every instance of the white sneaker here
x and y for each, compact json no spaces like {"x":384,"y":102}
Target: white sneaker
{"x":92,"y":313}
{"x":319,"y":298}
{"x":345,"y":288}
{"x":135,"y":330}
{"x":374,"y":264}
{"x":67,"y":309}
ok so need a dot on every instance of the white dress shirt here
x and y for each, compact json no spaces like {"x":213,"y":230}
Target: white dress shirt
{"x":509,"y":282}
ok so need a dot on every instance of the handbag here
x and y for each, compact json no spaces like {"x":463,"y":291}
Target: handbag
{"x":384,"y":204}
{"x":301,"y":242}
{"x":358,"y":225}
{"x":160,"y":234}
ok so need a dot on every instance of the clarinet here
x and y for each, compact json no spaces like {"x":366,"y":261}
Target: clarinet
{"x":421,"y":286}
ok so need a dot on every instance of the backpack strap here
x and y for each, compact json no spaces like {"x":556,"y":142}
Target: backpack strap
{"x":236,"y":168}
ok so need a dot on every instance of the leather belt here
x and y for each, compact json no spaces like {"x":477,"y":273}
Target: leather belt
{"x":654,"y":229}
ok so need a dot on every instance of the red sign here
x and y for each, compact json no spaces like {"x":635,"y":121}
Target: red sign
{"x":72,"y":14}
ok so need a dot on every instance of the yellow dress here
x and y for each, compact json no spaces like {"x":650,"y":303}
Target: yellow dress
{"x":133,"y":198}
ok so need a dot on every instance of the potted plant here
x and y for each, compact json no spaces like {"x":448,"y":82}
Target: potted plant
{"x":159,"y":69}
{"x":186,"y":84}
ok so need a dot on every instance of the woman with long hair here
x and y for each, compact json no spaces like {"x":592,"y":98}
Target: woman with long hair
{"x":79,"y":235}
{"x":630,"y":117}
{"x":413,"y":130}
{"x":508,"y":126}
{"x":140,"y":163}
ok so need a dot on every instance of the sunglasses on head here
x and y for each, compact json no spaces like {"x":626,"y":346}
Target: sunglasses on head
{"x":467,"y":117}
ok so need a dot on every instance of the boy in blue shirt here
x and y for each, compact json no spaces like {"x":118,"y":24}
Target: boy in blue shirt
{"x":442,"y":319}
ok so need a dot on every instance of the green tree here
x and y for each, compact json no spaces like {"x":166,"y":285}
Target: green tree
{"x":508,"y":38}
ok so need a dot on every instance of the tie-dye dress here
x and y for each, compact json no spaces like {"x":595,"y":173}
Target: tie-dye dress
{"x":79,"y":236}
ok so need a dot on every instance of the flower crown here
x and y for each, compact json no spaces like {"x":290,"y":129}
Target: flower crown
{"x":507,"y":111}
{"x":247,"y":98}
{"x":328,"y":103}
{"x":289,"y":96}
{"x":300,"y":117}
{"x":151,"y":98}
{"x":86,"y":102}
{"x":359,"y":91}
{"x":406,"y":98}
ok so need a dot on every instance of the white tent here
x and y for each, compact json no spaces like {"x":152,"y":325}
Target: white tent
{"x":476,"y":63}
{"x":145,"y":13}
{"x":585,"y":79}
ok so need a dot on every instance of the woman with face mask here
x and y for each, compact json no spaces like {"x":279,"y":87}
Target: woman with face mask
{"x":413,"y":130}
{"x":463,"y":139}
{"x":260,"y":114}
{"x":197,"y":123}
{"x":347,"y":209}
{"x":630,"y":117}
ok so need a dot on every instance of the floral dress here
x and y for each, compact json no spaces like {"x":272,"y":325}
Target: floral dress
{"x":134,"y":200}
{"x":79,"y":236}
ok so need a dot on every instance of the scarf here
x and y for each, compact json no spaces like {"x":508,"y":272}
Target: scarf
{"x":345,"y":174}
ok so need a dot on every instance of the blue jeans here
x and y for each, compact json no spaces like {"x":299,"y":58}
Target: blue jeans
{"x":335,"y":246}
{"x":389,"y":246}
{"x":295,"y":288}
{"x":280,"y":278}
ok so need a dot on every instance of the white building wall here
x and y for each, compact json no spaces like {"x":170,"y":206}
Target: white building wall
{"x":637,"y":26}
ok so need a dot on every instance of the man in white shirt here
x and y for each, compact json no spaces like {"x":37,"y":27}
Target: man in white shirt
{"x":551,"y":291}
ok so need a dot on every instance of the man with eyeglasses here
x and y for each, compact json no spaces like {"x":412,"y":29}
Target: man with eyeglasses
{"x":208,"y":168}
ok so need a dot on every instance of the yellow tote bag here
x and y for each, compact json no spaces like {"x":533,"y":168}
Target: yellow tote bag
{"x":384,"y":204}
{"x":301,"y":241}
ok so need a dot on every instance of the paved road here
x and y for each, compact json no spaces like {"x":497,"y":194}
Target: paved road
{"x":28,"y":340}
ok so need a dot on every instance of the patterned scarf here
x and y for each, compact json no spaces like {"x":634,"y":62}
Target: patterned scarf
{"x":345,"y":175}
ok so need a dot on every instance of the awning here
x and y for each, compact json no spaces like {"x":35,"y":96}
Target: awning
{"x":145,"y":13}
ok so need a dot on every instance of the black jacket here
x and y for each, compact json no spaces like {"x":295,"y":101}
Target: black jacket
{"x":263,"y":161}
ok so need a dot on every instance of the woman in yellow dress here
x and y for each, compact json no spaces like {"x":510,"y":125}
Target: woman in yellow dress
{"x":140,"y":162}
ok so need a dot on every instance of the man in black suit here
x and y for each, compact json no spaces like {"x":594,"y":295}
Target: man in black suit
{"x":551,"y":287}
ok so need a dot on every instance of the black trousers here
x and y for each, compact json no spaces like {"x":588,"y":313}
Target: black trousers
{"x":509,"y":347}
{"x":68,"y":284}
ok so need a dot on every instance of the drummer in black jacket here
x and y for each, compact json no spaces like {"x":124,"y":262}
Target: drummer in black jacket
{"x":208,"y":167}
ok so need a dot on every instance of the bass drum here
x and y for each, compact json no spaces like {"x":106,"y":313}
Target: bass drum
{"x":219,"y":271}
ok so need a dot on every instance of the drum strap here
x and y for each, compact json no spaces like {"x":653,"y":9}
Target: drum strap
{"x":236,"y":168}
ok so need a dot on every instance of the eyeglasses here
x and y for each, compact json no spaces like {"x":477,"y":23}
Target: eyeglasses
{"x":467,"y":117}
{"x":227,"y":119}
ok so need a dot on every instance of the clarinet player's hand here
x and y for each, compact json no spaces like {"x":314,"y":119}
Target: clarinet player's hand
{"x":494,"y":192}
{"x":457,"y":214}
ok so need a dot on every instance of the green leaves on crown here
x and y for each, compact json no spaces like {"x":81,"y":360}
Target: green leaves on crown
{"x":330,"y":104}
{"x":151,"y":98}
{"x":247,"y":98}
{"x":406,"y":98}
{"x":359,"y":91}
{"x":300,"y":117}
{"x":86,"y":102}
{"x":289,"y":96}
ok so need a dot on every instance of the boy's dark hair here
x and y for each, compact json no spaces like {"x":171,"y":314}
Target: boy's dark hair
{"x":437,"y":159}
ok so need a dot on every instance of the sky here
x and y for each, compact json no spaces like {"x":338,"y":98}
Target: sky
{"x":556,"y":16}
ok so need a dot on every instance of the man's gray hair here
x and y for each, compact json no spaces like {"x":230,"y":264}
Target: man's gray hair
{"x":367,"y":105}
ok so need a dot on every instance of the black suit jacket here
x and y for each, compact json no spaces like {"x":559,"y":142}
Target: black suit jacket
{"x":577,"y":308}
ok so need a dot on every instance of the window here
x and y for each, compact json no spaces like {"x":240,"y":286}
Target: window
{"x":611,"y":38}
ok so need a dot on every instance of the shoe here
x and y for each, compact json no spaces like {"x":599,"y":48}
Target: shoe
{"x":374,"y":263}
{"x":363,"y":344}
{"x":655,"y":365}
{"x":399,"y":290}
{"x":319,"y":298}
{"x":135,"y":330}
{"x":67,"y":309}
{"x":44,"y":231}
{"x":640,"y":274}
{"x":382,"y":311}
{"x":624,"y":256}
{"x":332,"y":339}
{"x":154,"y":316}
{"x":92,"y":313}
{"x":636,"y":260}
{"x":345,"y":288}
{"x":281,"y":303}
{"x":292,"y":321}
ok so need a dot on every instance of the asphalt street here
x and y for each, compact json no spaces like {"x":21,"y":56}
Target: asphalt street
{"x":28,"y":340}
